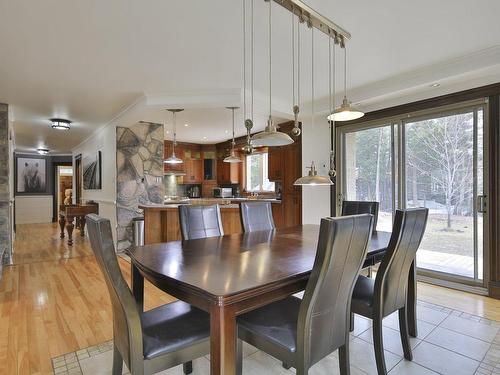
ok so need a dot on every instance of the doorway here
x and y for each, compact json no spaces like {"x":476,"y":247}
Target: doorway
{"x":63,"y":186}
{"x":434,"y":159}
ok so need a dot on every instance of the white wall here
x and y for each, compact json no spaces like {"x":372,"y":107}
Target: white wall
{"x":103,"y":140}
{"x":315,"y":147}
{"x":32,"y":209}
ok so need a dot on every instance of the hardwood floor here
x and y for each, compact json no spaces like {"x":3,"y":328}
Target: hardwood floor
{"x":54,"y":301}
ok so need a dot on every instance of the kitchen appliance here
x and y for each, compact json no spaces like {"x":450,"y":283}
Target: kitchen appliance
{"x":194,"y":192}
{"x":221,"y":192}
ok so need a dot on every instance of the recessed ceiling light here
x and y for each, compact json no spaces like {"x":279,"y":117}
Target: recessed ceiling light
{"x":42,"y":151}
{"x":186,"y":125}
{"x":435,"y":85}
{"x":204,"y":137}
{"x":226,"y":131}
{"x":60,"y":124}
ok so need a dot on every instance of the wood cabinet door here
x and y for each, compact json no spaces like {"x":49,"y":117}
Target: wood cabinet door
{"x":292,"y":210}
{"x":198,"y":171}
{"x":275,"y":164}
{"x":291,"y":159}
{"x":277,"y":209}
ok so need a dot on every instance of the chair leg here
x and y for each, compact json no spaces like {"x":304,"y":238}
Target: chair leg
{"x":403,"y":331}
{"x":370,"y":273}
{"x":351,"y":328}
{"x":344,"y":363}
{"x":187,"y":367}
{"x":117,"y":361}
{"x":378,"y":343}
{"x":239,"y":357}
{"x":286,"y":366}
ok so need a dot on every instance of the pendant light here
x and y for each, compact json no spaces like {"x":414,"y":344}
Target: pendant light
{"x":312,"y":178}
{"x":331,"y":79}
{"x":232,"y":158}
{"x":271,"y":137}
{"x":345,"y":112}
{"x":173,"y":159}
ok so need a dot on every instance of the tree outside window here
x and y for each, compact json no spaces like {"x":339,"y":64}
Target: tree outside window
{"x":257,"y":174}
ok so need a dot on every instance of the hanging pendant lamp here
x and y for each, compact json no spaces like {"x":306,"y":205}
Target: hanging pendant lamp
{"x":271,"y":137}
{"x":172,"y":159}
{"x":312,"y":178}
{"x":232,"y":158}
{"x":345,"y":112}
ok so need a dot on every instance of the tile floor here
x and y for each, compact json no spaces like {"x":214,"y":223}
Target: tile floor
{"x":449,"y":342}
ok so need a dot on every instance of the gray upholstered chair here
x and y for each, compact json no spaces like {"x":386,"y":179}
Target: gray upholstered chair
{"x":198,"y":221}
{"x":256,"y":216}
{"x":360,"y":207}
{"x":302,"y":332}
{"x":149,"y":341}
{"x":380,"y":297}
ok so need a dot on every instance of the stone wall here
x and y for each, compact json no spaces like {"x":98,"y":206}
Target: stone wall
{"x":139,"y":163}
{"x":5,"y":238}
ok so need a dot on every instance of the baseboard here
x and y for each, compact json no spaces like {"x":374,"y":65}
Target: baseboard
{"x":494,"y":289}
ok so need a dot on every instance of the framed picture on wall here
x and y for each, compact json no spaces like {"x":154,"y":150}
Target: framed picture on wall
{"x":31,"y":175}
{"x":92,"y":171}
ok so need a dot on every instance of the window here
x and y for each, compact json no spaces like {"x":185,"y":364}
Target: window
{"x":256,"y":173}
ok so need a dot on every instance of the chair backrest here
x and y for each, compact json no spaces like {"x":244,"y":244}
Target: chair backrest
{"x":324,"y":315}
{"x":256,"y":216}
{"x":200,"y":221}
{"x":127,"y":328}
{"x":361,"y":207}
{"x":391,"y":282}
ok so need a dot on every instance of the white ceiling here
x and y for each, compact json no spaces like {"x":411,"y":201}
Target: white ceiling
{"x":121,"y":60}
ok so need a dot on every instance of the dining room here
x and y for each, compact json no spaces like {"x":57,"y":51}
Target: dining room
{"x":250,"y":187}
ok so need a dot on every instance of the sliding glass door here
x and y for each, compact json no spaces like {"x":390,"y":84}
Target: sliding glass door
{"x":444,"y":172}
{"x":434,"y":160}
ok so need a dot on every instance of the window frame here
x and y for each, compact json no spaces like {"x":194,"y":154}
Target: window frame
{"x":247,"y":175}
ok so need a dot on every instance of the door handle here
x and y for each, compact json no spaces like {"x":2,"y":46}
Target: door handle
{"x":481,"y":204}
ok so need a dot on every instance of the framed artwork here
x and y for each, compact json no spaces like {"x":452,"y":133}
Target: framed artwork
{"x":92,"y":171}
{"x":31,"y":175}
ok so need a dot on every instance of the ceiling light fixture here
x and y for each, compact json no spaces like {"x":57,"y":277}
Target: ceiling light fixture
{"x":42,"y":151}
{"x":345,"y":112}
{"x":271,"y":137}
{"x":435,"y":84}
{"x":173,"y":159}
{"x":60,"y":124}
{"x":232,"y":158}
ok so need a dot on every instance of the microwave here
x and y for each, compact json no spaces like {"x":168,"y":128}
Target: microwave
{"x":223,"y":192}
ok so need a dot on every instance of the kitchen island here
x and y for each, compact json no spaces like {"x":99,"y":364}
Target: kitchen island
{"x":161,"y":221}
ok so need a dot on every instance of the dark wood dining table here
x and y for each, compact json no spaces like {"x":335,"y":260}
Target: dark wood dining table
{"x":230,"y":275}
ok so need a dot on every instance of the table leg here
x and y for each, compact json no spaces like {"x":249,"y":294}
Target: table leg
{"x":137,"y":282}
{"x":62,"y":223}
{"x":222,"y":341}
{"x":82,"y":226}
{"x":69,"y":229}
{"x":411,"y":301}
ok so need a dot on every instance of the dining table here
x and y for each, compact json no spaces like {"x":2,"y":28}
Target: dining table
{"x":230,"y":275}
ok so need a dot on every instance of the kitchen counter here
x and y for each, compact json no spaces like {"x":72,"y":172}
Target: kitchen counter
{"x":220,"y":201}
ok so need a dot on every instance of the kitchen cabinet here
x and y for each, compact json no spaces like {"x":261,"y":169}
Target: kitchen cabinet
{"x":291,"y":156}
{"x":277,"y":209}
{"x":227,"y":173}
{"x":292,"y":210}
{"x":194,"y":171}
{"x":275,"y":164}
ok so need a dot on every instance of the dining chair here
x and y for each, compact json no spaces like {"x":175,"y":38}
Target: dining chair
{"x":302,"y":332}
{"x":380,"y":297}
{"x":149,"y":341}
{"x":361,"y":207}
{"x":256,"y":216}
{"x":200,"y":221}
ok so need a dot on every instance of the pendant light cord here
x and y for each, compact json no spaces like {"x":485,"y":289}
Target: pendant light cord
{"x":298,"y":61}
{"x":330,"y":74}
{"x":293,"y":57}
{"x":252,"y":53}
{"x":175,"y":135}
{"x":244,"y":62}
{"x":312,"y":76}
{"x":232,"y":143}
{"x":345,"y":71}
{"x":270,"y":59}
